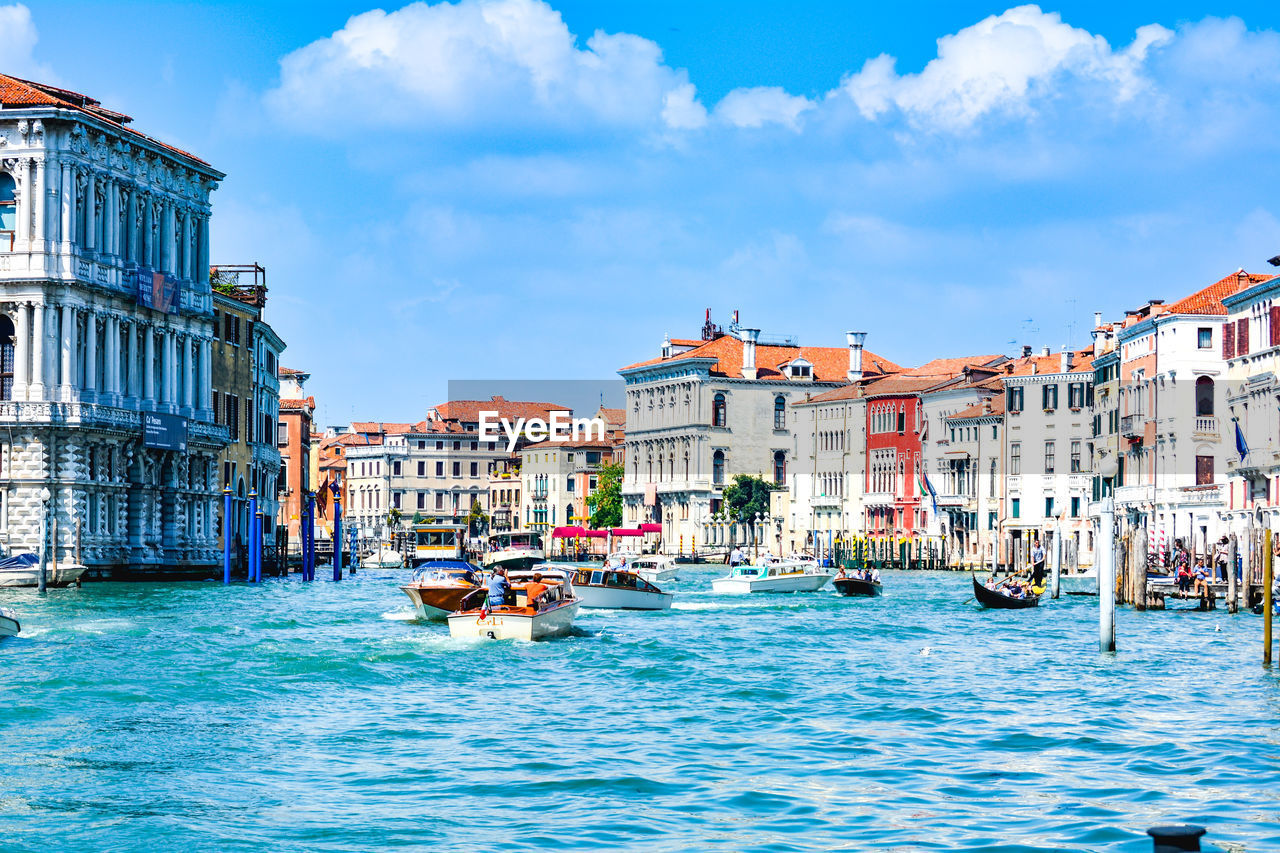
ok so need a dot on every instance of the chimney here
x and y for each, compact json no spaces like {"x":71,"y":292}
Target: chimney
{"x":1026,"y":350}
{"x":666,"y":346}
{"x":856,"y":340}
{"x":1097,"y":319}
{"x":1066,"y":359}
{"x":986,"y":406}
{"x":749,"y":338}
{"x":1044,"y":352}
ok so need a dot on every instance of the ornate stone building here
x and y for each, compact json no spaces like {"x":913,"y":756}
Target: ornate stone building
{"x":105,"y":317}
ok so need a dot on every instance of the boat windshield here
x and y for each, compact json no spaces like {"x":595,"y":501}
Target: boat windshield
{"x":515,"y":542}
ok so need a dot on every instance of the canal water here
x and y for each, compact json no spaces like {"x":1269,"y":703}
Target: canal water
{"x":322,"y":717}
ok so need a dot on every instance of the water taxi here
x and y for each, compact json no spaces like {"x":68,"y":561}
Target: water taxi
{"x":24,"y":570}
{"x":618,"y":589}
{"x":438,"y":587}
{"x":773,"y":574}
{"x":9,"y":626}
{"x":858,"y":583}
{"x":438,"y":542}
{"x":654,"y":568}
{"x":514,"y":550}
{"x":550,"y":616}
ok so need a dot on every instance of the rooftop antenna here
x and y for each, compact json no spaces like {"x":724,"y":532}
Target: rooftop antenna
{"x":1071,"y":323}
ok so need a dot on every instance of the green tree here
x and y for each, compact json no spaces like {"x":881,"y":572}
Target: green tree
{"x":476,"y":517}
{"x":417,"y":518}
{"x":747,"y":496}
{"x":607,"y":509}
{"x":393,"y":518}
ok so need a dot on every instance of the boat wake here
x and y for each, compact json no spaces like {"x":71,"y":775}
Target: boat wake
{"x":404,"y":614}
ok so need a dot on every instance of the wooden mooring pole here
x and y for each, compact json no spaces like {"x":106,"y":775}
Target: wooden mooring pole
{"x":1107,"y":577}
{"x":1233,"y":592}
{"x":1266,"y":596}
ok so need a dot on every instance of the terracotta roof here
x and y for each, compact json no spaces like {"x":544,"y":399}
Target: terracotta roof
{"x":830,"y":364}
{"x":289,"y":371}
{"x":1082,"y":361}
{"x":1209,"y":300}
{"x":15,"y":92}
{"x":613,"y":417}
{"x":979,"y":410}
{"x":468,"y":411}
{"x":308,"y":403}
{"x":947,"y":367}
{"x":380,"y":428}
{"x":607,"y":443}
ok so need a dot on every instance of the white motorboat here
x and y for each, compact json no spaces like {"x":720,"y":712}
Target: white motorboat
{"x":439,"y":587}
{"x":24,"y":570}
{"x":515,"y":550}
{"x":9,"y":626}
{"x":550,"y":615}
{"x":382,"y":557}
{"x":773,"y":575}
{"x":618,"y":589}
{"x":654,"y":568}
{"x":619,"y":558}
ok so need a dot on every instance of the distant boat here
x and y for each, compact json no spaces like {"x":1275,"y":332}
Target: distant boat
{"x":9,"y":626}
{"x":856,"y":586}
{"x":515,"y":550}
{"x":773,"y":575}
{"x":997,"y":600}
{"x":382,"y":557}
{"x":654,"y":568}
{"x":24,"y":570}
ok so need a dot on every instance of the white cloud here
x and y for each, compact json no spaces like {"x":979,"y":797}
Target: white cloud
{"x":761,"y":105}
{"x":483,"y":63}
{"x":17,"y":43}
{"x":1000,"y":64}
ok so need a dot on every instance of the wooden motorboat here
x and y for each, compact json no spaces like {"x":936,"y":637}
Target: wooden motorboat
{"x":617,"y":589}
{"x":856,"y":586}
{"x":999,"y":601}
{"x":439,"y":587}
{"x":654,"y":568}
{"x":519,"y":619}
{"x":24,"y":570}
{"x":9,"y":626}
{"x":773,"y":575}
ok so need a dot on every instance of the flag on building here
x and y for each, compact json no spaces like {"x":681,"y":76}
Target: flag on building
{"x":1241,"y":447}
{"x":926,"y":488}
{"x":322,"y":498}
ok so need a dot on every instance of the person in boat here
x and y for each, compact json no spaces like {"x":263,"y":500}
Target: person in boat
{"x":875,"y":576}
{"x":842,"y":574}
{"x":498,"y":588}
{"x":736,"y":558}
{"x":534,"y":590}
{"x":1037,"y":562}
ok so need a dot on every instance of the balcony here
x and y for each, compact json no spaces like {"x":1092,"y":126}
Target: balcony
{"x":1133,"y":426}
{"x":1207,"y":428}
{"x":824,"y":501}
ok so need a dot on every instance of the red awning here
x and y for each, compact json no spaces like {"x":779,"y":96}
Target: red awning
{"x":596,"y":534}
{"x":567,"y":532}
{"x":651,"y":528}
{"x":627,"y":531}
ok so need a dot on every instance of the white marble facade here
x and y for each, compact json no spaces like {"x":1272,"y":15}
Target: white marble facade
{"x":95,"y":207}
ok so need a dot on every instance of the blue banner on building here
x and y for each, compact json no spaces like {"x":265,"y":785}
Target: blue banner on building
{"x":164,"y":432}
{"x":157,"y":290}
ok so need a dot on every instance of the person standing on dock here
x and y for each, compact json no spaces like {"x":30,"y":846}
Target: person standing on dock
{"x":1221,"y":556}
{"x":1037,"y":563}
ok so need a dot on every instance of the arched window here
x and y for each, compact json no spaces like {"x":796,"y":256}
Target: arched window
{"x":568,"y":514}
{"x":719,"y":411}
{"x":8,"y":211}
{"x":6,"y":357}
{"x":1204,"y":397}
{"x":779,"y":467}
{"x":717,"y":468}
{"x":779,"y":412}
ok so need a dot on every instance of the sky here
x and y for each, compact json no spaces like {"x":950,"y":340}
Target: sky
{"x":513,"y":189}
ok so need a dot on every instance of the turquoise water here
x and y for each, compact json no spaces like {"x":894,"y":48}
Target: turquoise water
{"x":321,"y":717}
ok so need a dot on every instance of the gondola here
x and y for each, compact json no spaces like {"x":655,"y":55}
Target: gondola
{"x":998,"y":600}
{"x":856,"y":586}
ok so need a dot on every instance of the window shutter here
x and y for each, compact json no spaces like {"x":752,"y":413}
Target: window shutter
{"x":1228,"y":341}
{"x":1242,"y":337}
{"x":1275,"y":326}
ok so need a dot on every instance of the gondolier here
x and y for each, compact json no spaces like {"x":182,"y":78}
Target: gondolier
{"x":1037,"y":563}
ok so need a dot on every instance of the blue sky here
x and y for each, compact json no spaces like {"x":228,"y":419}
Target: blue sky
{"x":517,"y":190}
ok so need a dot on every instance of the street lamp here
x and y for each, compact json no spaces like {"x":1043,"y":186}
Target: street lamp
{"x":755,"y":534}
{"x":45,"y":496}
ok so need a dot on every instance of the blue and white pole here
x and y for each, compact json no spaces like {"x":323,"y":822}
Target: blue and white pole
{"x":257,"y":547}
{"x":226,"y":535}
{"x":337,"y":537}
{"x":308,"y":532}
{"x":253,"y":515}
